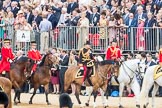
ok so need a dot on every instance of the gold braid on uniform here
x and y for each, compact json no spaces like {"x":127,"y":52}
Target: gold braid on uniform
{"x":85,"y":55}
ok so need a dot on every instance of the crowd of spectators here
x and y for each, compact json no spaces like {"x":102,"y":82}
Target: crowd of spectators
{"x":28,"y":15}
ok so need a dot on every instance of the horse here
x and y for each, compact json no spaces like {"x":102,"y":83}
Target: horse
{"x":43,"y":74}
{"x":6,"y":84}
{"x":149,"y":81}
{"x":127,"y":76}
{"x":18,"y":76}
{"x":99,"y":80}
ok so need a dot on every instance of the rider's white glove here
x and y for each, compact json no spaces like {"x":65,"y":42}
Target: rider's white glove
{"x":38,"y":62}
{"x":81,"y":68}
{"x":10,"y":61}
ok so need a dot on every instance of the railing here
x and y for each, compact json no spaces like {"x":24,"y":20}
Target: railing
{"x":129,"y":39}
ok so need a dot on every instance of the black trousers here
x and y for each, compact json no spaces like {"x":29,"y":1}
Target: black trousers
{"x":62,"y":73}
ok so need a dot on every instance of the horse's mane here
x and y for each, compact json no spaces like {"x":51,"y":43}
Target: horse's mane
{"x":105,"y":62}
{"x":43,"y":60}
{"x":23,"y":59}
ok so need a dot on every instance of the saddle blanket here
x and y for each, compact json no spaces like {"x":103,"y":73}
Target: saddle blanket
{"x":157,"y":72}
{"x":80,"y":73}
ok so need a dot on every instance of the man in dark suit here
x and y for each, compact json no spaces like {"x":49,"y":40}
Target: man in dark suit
{"x":57,"y":12}
{"x":14,"y":8}
{"x":130,"y":22}
{"x":140,"y":13}
{"x":150,"y":33}
{"x":51,"y":17}
{"x":72,"y":30}
{"x":36,"y":17}
{"x":28,"y":15}
{"x":64,"y":66}
{"x":72,"y":6}
{"x":94,"y":20}
{"x":132,"y":7}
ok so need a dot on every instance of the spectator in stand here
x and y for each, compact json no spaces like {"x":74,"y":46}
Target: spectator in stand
{"x":83,"y":30}
{"x":140,"y":13}
{"x":149,"y":23}
{"x":37,"y":18}
{"x":103,"y":23}
{"x":9,"y":21}
{"x":130,"y":22}
{"x":51,"y":17}
{"x":57,"y":12}
{"x":14,"y":8}
{"x":72,"y":6}
{"x":131,"y":6}
{"x":28,"y":15}
{"x":140,"y":37}
{"x":62,"y":27}
{"x":45,"y":26}
{"x":2,"y":25}
{"x":103,"y":6}
{"x":112,"y":30}
{"x":84,"y":9}
{"x":126,"y":15}
{"x":19,"y":20}
{"x":72,"y":40}
{"x":159,"y":30}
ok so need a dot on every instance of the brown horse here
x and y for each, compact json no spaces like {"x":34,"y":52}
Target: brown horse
{"x":98,"y":81}
{"x":7,"y":86}
{"x":43,"y":74}
{"x":18,"y":76}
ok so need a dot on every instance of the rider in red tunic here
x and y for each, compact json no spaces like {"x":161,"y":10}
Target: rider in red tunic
{"x":160,"y":57}
{"x":113,"y":52}
{"x":7,"y":56}
{"x":34,"y":55}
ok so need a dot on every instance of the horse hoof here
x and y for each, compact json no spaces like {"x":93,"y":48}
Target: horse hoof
{"x":121,"y":106}
{"x":106,"y":106}
{"x":18,"y":102}
{"x":144,"y":106}
{"x":137,"y":106}
{"x":30,"y":102}
{"x":15,"y":103}
{"x":87,"y":104}
{"x":48,"y":103}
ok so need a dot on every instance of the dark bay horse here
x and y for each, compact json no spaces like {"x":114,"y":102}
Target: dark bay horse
{"x":43,"y":74}
{"x":98,"y":81}
{"x":19,"y":72}
{"x":6,"y":84}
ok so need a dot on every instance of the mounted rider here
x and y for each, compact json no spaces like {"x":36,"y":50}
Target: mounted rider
{"x":160,"y":58}
{"x":113,"y":52}
{"x":86,"y":61}
{"x":34,"y":55}
{"x":7,"y":58}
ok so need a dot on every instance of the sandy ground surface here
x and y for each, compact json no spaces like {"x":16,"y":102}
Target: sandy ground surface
{"x":39,"y":101}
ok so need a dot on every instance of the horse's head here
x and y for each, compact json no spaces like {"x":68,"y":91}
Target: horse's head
{"x":51,"y":59}
{"x":141,"y":69}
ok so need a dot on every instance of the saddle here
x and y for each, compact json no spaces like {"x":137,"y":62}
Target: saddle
{"x":80,"y":73}
{"x":157,"y":72}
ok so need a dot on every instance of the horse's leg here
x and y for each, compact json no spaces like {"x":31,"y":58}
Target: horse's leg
{"x":136,"y":89}
{"x":15,"y":97}
{"x":77,"y":94}
{"x":89,"y":95}
{"x":46,"y":93}
{"x":155,"y":88}
{"x":17,"y":88}
{"x":19,"y":93}
{"x":95,"y":93}
{"x":35,"y":89}
{"x":104,"y":91}
{"x":121,"y":88}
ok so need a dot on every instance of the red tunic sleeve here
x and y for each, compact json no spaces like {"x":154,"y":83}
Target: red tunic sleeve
{"x":160,"y":55}
{"x":108,"y":54}
{"x":4,"y":53}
